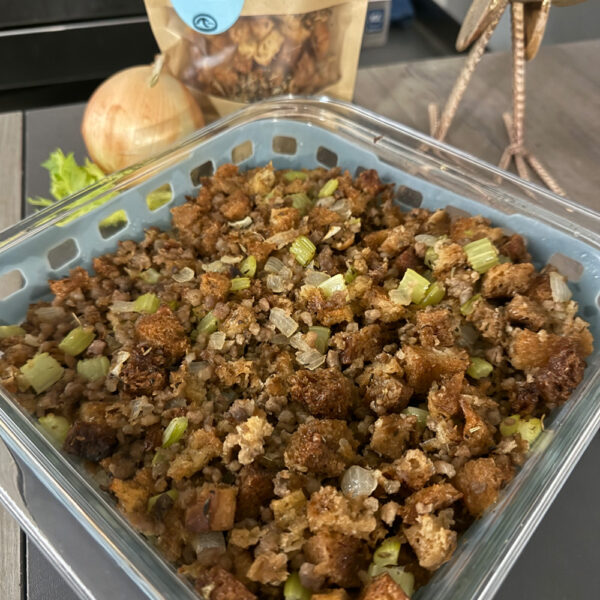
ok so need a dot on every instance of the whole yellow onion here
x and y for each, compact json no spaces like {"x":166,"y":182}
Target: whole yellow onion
{"x":136,"y":113}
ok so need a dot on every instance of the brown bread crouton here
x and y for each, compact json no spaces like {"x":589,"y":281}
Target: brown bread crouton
{"x":442,"y":400}
{"x":377,"y":298}
{"x":414,"y":468}
{"x":423,"y":366}
{"x":78,"y":279}
{"x":133,"y":494}
{"x":525,"y":312}
{"x":219,"y":584}
{"x":365,"y":343}
{"x":213,"y":510}
{"x":468,"y":229}
{"x":255,"y":490}
{"x":330,"y":511}
{"x":290,"y":517}
{"x":479,"y":481}
{"x":540,"y":290}
{"x":383,"y":587}
{"x":323,"y":392}
{"x":477,"y":434}
{"x":104,"y":267}
{"x":408,"y":259}
{"x":236,"y":206}
{"x":436,"y":327}
{"x":515,"y":249}
{"x":374,"y":239}
{"x":391,"y":434}
{"x":336,"y":557}
{"x":398,"y":239}
{"x":506,"y":280}
{"x":448,"y":257}
{"x":529,"y":350}
{"x":163,"y":331}
{"x":144,"y":372}
{"x":320,"y":217}
{"x":428,"y":500}
{"x":269,"y":568}
{"x":202,"y":446}
{"x":323,"y":446}
{"x":215,"y":285}
{"x":336,"y":594}
{"x":432,"y":542}
{"x":91,"y":441}
{"x":282,"y":219}
{"x":387,"y":393}
{"x":186,"y":215}
{"x":488,"y":320}
{"x":210,"y":232}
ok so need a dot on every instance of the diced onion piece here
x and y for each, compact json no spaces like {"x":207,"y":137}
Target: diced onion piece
{"x":293,"y":175}
{"x":231,"y":260}
{"x":315,"y":278}
{"x":510,"y":425}
{"x":121,"y":306}
{"x":479,"y":367}
{"x":412,"y":288}
{"x":434,"y":295}
{"x":41,"y":372}
{"x":216,"y":341}
{"x":208,"y":324}
{"x":387,"y":553}
{"x":425,"y":238}
{"x":11,"y":331}
{"x":150,"y":275}
{"x":301,"y":202}
{"x":273,"y":265}
{"x":298,"y":342}
{"x":420,"y":413}
{"x":275,"y":283}
{"x":173,"y":494}
{"x":120,"y":359}
{"x":248,"y":266}
{"x":357,"y":481}
{"x":322,"y":341}
{"x":294,"y":590}
{"x":529,"y":429}
{"x":56,"y":426}
{"x":77,"y":340}
{"x":239,"y":283}
{"x":350,"y":275}
{"x":332,"y":231}
{"x":430,"y":257}
{"x":215,"y":267}
{"x":186,"y":274}
{"x":405,"y":579}
{"x":49,"y":314}
{"x":174,"y":431}
{"x":332,"y":285}
{"x":146,"y":303}
{"x":283,"y":238}
{"x":469,"y":306}
{"x":482,"y":255}
{"x":330,"y":186}
{"x":242,"y":223}
{"x":283,"y":321}
{"x":311,"y":359}
{"x":559,"y":287}
{"x":303,"y":250}
{"x":93,"y":369}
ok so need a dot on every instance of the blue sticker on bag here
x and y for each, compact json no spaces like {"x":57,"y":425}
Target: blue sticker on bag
{"x":208,"y":16}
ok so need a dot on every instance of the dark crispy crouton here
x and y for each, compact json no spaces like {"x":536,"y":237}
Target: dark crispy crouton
{"x":383,"y":588}
{"x":539,"y":289}
{"x":321,"y":446}
{"x":214,"y":285}
{"x":186,"y":215}
{"x":442,"y":401}
{"x":515,"y":249}
{"x":431,"y":540}
{"x":477,"y":434}
{"x":365,"y":343}
{"x":324,"y":392}
{"x":391,"y":433}
{"x":219,"y":584}
{"x":523,"y":311}
{"x":92,"y":441}
{"x":507,"y":279}
{"x":408,"y":259}
{"x":468,"y":229}
{"x":368,"y":181}
{"x":78,"y":278}
{"x":436,"y":327}
{"x":479,"y":480}
{"x":213,"y":510}
{"x":337,"y":557}
{"x":415,"y":469}
{"x":423,"y":366}
{"x":163,"y":331}
{"x":282,"y":219}
{"x":428,"y":500}
{"x":374,"y":239}
{"x":387,"y":393}
{"x":236,"y":207}
{"x":524,"y":398}
{"x":438,"y":223}
{"x":255,"y":490}
{"x":144,"y":371}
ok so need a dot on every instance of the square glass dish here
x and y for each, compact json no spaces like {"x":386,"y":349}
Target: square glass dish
{"x":77,"y":525}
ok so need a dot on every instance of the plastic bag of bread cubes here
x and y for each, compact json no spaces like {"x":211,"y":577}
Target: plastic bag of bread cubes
{"x":238,"y":51}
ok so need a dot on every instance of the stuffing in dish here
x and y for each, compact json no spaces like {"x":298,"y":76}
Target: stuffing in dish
{"x":301,"y":389}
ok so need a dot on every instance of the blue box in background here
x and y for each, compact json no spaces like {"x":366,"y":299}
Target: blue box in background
{"x":377,"y":23}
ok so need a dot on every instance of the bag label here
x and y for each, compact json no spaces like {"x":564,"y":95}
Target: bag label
{"x":208,"y":16}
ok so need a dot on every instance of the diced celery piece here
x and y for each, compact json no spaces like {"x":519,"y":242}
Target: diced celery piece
{"x":469,"y":306}
{"x":93,"y":368}
{"x":239,"y":283}
{"x":510,"y":425}
{"x":77,"y":340}
{"x":482,"y":255}
{"x":387,"y":553}
{"x":173,"y":305}
{"x":529,"y":429}
{"x":56,"y":426}
{"x":174,"y":431}
{"x":294,"y":590}
{"x":150,"y":276}
{"x":301,"y":202}
{"x":173,"y":494}
{"x":412,"y":288}
{"x":479,"y":367}
{"x":41,"y":372}
{"x":303,"y":250}
{"x":405,"y":579}
{"x":420,"y":413}
{"x":293,"y":175}
{"x":434,"y":295}
{"x":322,"y":340}
{"x":350,"y":275}
{"x":146,"y":303}
{"x":248,"y":266}
{"x":332,"y":285}
{"x":328,"y":188}
{"x":430,"y":257}
{"x":208,"y":324}
{"x":11,"y":331}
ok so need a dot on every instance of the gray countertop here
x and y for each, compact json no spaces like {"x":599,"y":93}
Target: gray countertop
{"x":561,"y":560}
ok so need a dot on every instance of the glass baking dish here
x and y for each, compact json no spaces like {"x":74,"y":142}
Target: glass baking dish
{"x":76,"y":524}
